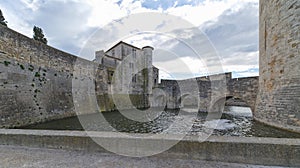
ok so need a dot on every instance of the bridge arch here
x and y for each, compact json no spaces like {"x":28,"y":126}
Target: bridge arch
{"x":158,"y":100}
{"x":188,"y":100}
{"x":221,"y":102}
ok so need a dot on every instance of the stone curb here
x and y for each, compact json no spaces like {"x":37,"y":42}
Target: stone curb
{"x":247,"y":150}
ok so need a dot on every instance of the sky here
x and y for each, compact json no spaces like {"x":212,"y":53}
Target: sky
{"x":191,"y":37}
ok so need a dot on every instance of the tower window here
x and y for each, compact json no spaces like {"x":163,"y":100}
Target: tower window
{"x":113,"y":53}
{"x":134,"y":53}
{"x":123,"y":51}
{"x":131,"y":65}
{"x":134,"y":78}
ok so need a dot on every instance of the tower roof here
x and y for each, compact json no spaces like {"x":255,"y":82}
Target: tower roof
{"x":148,"y":47}
{"x":122,"y":42}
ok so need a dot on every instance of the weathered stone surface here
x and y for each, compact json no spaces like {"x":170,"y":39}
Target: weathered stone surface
{"x":40,"y":83}
{"x":278,"y":101}
{"x":16,"y":157}
{"x":246,"y":150}
{"x":211,"y":94}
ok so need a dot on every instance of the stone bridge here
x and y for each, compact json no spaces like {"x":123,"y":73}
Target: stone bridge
{"x":208,"y":93}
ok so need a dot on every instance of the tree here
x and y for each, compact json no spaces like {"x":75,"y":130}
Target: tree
{"x":39,"y":35}
{"x":2,"y":19}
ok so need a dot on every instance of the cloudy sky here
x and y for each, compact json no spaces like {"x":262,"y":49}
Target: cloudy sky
{"x":190,"y":37}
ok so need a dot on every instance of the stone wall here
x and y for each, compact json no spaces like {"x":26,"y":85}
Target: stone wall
{"x":278,"y":101}
{"x":209,"y":93}
{"x":245,"y":89}
{"x":39,"y":83}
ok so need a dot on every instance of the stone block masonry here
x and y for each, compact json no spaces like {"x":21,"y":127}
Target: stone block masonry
{"x":40,"y":83}
{"x":244,"y":89}
{"x":278,"y":101}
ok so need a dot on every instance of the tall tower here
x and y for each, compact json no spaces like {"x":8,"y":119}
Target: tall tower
{"x":148,"y":73}
{"x":278,"y":101}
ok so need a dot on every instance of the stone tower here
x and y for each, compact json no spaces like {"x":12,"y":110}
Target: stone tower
{"x":147,"y":53}
{"x":278,"y":101}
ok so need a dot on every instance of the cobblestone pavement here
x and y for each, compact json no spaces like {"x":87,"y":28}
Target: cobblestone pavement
{"x":11,"y":156}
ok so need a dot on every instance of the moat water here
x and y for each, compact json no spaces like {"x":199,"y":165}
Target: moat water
{"x":235,"y":121}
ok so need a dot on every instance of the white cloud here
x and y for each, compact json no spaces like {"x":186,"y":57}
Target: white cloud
{"x":14,"y":15}
{"x":230,"y":24}
{"x":32,"y":4}
{"x":103,"y":12}
{"x":247,"y":73}
{"x":183,"y":67}
{"x":207,"y":10}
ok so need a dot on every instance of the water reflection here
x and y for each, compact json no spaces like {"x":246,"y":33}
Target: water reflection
{"x":235,"y":121}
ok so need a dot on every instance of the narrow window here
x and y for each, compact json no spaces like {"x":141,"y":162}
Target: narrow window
{"x":134,"y":79}
{"x":113,"y":53}
{"x":134,"y":53}
{"x":123,"y":51}
{"x":131,"y":65}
